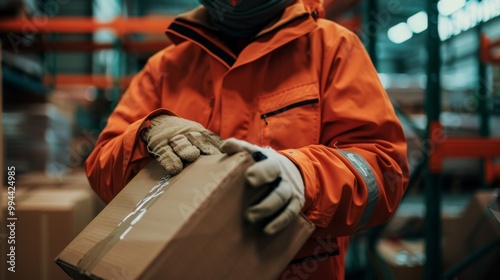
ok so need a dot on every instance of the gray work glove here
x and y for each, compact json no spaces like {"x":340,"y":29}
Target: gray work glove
{"x":286,"y":200}
{"x":172,"y":140}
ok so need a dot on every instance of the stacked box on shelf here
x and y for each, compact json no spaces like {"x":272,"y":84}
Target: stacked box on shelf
{"x":402,"y":247}
{"x":476,"y":228}
{"x":404,"y":258}
{"x":76,"y":180}
{"x":46,"y":220}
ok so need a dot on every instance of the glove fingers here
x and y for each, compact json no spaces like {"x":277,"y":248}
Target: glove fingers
{"x":184,"y":149}
{"x":203,"y":143}
{"x":269,"y":205}
{"x":169,"y":160}
{"x":284,"y":218}
{"x":232,"y":146}
{"x":262,"y":172}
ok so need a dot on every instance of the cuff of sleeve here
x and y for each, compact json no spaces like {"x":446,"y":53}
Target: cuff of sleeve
{"x":133,"y":133}
{"x":308,"y":175}
{"x":145,"y":122}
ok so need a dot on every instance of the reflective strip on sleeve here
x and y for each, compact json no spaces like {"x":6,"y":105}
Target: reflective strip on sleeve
{"x":366,"y":172}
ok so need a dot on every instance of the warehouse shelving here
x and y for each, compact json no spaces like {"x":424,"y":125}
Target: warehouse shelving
{"x":484,"y":147}
{"x":98,"y":81}
{"x":127,"y":46}
{"x":120,"y":26}
{"x":442,"y":146}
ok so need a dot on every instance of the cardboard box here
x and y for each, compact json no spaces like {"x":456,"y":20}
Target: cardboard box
{"x":47,"y":219}
{"x":404,"y":258}
{"x":476,"y":228}
{"x":409,"y":221}
{"x":76,"y":180}
{"x":190,"y":227}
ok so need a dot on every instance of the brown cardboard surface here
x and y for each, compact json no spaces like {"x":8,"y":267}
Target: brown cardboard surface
{"x":476,"y":228}
{"x":76,"y":180}
{"x":193,"y":230}
{"x":47,"y":219}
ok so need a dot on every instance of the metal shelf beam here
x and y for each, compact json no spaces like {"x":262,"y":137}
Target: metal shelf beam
{"x":98,"y":81}
{"x":71,"y":25}
{"x":72,"y":46}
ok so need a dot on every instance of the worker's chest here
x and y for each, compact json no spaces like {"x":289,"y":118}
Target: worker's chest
{"x":274,"y":101}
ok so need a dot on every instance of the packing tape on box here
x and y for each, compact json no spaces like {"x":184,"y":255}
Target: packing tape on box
{"x":94,"y":255}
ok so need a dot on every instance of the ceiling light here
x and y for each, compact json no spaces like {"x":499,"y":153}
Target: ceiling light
{"x":399,"y":33}
{"x":448,"y":7}
{"x":418,"y":22}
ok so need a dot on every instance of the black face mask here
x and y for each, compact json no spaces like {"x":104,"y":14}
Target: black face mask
{"x":246,"y":18}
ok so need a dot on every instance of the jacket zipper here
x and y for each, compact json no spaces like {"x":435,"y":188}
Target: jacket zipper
{"x":288,"y":107}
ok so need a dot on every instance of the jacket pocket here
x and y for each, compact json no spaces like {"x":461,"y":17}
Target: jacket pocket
{"x":288,"y":107}
{"x":290,"y":118}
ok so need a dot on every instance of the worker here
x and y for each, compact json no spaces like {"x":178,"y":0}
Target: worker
{"x":268,"y":76}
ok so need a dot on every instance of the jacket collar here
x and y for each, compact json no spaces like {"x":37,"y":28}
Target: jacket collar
{"x":195,"y":26}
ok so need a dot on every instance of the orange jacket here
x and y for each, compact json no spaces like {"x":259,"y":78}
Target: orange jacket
{"x":304,"y":86}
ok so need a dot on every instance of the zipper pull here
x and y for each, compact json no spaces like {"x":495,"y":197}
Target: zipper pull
{"x":264,"y":117}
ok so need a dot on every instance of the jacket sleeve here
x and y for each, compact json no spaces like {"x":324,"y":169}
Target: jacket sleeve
{"x":119,"y":153}
{"x":355,"y":179}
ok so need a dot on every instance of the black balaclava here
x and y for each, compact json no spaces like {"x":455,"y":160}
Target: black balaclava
{"x":243,"y":18}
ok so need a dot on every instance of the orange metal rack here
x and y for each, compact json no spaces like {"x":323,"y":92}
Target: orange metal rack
{"x":488,"y":47}
{"x":127,"y":46}
{"x":121,"y":26}
{"x":484,"y":148}
{"x":71,"y":25}
{"x":98,"y":81}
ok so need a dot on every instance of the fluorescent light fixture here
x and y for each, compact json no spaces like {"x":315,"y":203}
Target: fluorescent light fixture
{"x":418,"y":22}
{"x":448,"y":7}
{"x":399,"y":33}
